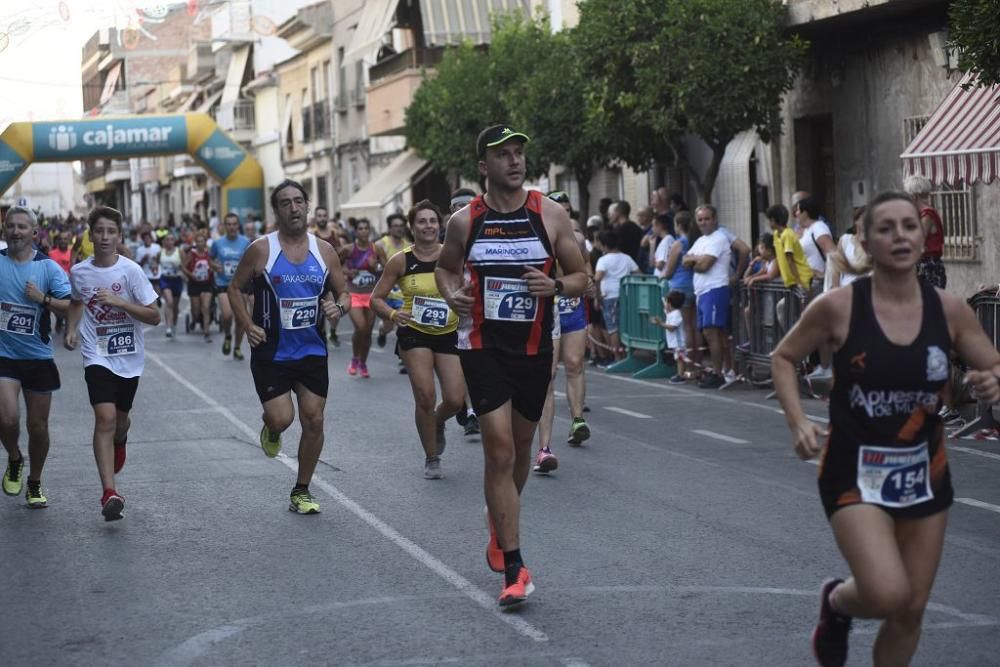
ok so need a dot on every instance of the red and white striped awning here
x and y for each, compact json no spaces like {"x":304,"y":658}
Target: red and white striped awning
{"x":961,"y":141}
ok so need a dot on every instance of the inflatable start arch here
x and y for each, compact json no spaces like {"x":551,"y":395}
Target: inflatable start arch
{"x":119,"y":137}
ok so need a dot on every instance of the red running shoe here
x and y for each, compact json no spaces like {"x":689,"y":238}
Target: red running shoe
{"x":494,"y":554}
{"x":120,"y":455}
{"x":112,"y":505}
{"x":364,"y":369}
{"x":517,"y":592}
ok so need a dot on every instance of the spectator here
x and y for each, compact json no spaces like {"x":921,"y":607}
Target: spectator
{"x":629,"y":233}
{"x":673,"y":326}
{"x":930,"y":268}
{"x":816,"y":238}
{"x":604,"y":209}
{"x":709,"y":258}
{"x":658,"y":201}
{"x":611,"y":268}
{"x":763,"y":268}
{"x":849,"y":261}
{"x":680,"y":278}
{"x":792,"y":265}
{"x":647,"y":245}
{"x":797,"y":196}
{"x":213,"y":224}
{"x":663,"y":240}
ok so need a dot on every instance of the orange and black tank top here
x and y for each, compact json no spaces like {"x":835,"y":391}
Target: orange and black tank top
{"x":506,"y":316}
{"x":886,"y":439}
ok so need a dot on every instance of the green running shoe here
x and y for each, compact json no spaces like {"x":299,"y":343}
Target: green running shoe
{"x":270,"y":442}
{"x":36,"y":499}
{"x":13,"y":482}
{"x":578,"y":432}
{"x":302,"y":502}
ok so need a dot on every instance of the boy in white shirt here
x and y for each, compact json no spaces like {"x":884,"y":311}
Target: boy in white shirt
{"x":673,"y":327}
{"x":114,"y":299}
{"x":612,"y":266}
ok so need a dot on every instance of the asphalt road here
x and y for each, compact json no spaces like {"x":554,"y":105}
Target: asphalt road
{"x":685,"y":533}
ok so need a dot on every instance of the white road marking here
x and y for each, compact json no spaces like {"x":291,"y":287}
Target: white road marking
{"x":972,"y":502}
{"x":467,"y":588}
{"x":977,"y":452}
{"x":574,"y":662}
{"x":720,"y":436}
{"x":623,"y":411}
{"x":559,"y":394}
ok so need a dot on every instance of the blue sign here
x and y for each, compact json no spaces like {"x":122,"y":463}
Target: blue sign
{"x":117,"y":137}
{"x":244,"y":201}
{"x":220,"y":155}
{"x":11,"y":165}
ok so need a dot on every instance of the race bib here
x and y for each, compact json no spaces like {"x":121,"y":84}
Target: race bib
{"x":508,"y":299}
{"x":364,"y":279}
{"x":568,"y":305}
{"x":430,"y":312}
{"x":299,"y":313}
{"x":229,"y":267}
{"x":201,"y":270}
{"x":17,"y":318}
{"x":168,"y":270}
{"x":115,"y":340}
{"x":894,"y":477}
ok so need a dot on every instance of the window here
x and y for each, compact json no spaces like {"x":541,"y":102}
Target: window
{"x":289,"y":137}
{"x":306,"y":117}
{"x":327,"y":79}
{"x":321,"y":186}
{"x":341,"y":102}
{"x":954,"y":203}
{"x":358,"y":95}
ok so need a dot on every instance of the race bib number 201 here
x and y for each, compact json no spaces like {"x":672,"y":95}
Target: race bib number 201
{"x":17,"y":318}
{"x":894,"y":477}
{"x":509,"y":299}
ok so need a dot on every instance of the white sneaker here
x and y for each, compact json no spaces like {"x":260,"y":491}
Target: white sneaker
{"x":730,"y":376}
{"x":821,"y":373}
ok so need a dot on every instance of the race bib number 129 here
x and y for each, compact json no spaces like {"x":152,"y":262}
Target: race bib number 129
{"x":508,"y":299}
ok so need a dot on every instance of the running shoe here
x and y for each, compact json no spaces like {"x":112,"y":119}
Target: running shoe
{"x":36,"y":499}
{"x":120,"y":455}
{"x":586,"y":408}
{"x":579,"y":432}
{"x":112,"y":505}
{"x":442,"y":442}
{"x":730,"y":376}
{"x":238,"y":354}
{"x":711,"y":381}
{"x":829,"y":638}
{"x":950,"y":416}
{"x":743,"y":347}
{"x":432,"y":468}
{"x":352,"y":369}
{"x":677,"y":379}
{"x":270,"y":442}
{"x":170,"y":332}
{"x":301,"y":502}
{"x":227,"y":345}
{"x":494,"y":554}
{"x":545,"y":461}
{"x":208,"y":338}
{"x":517,"y":592}
{"x":380,"y":341}
{"x":462,"y":416}
{"x":13,"y":483}
{"x":334,"y":339}
{"x":821,"y":373}
{"x":363,"y":367}
{"x":472,"y":425}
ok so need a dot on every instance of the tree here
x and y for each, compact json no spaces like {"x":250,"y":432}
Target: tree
{"x":664,"y":71}
{"x":450,"y":109}
{"x":975,"y":33}
{"x":539,"y":80}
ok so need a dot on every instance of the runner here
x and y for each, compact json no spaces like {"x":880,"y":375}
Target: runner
{"x":147,"y":255}
{"x":360,"y":264}
{"x":292,"y":274}
{"x":30,"y":286}
{"x":884,"y":479}
{"x":426,"y":334}
{"x":197,"y":268}
{"x":324,"y":231}
{"x":226,"y":253}
{"x":386,"y":247}
{"x":171,"y":281}
{"x":114,"y":298}
{"x":62,"y":254}
{"x":466,"y":417}
{"x":571,"y":347}
{"x":497,"y":271}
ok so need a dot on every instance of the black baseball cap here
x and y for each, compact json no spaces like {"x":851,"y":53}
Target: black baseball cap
{"x":496,"y":135}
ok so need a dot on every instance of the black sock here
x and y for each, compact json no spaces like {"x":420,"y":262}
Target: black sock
{"x":512,"y":565}
{"x":33,"y":485}
{"x":300,"y":487}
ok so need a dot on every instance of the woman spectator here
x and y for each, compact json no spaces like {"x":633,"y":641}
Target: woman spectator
{"x":681,"y":278}
{"x":816,"y":239}
{"x":849,"y":261}
{"x":930,"y":267}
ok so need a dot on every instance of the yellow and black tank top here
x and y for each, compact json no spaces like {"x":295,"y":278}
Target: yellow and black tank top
{"x":429,"y":311}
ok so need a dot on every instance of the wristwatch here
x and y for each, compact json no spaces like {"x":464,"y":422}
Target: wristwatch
{"x":559,"y":287}
{"x":342,"y":310}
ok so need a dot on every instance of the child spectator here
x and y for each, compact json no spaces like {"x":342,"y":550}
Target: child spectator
{"x":611,"y":268}
{"x":673,"y":327}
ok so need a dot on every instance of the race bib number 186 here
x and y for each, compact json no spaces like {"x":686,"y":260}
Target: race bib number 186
{"x":115,"y":340}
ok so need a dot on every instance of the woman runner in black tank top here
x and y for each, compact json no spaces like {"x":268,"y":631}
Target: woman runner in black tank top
{"x":883,"y":476}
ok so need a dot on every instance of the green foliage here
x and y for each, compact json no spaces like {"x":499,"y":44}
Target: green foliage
{"x":975,"y":32}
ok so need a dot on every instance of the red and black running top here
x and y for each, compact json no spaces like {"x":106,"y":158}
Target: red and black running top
{"x":506,"y":316}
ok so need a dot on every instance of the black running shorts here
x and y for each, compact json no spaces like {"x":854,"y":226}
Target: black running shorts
{"x":408,"y":339}
{"x":103,"y":386}
{"x":495,"y":377}
{"x":37,"y":375}
{"x":275,"y":378}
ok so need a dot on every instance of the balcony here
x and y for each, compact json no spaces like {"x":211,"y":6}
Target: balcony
{"x":119,"y":170}
{"x":238,"y":119}
{"x":394,"y":81}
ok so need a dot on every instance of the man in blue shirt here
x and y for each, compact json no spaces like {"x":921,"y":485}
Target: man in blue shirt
{"x":227,"y":251}
{"x":31,"y":285}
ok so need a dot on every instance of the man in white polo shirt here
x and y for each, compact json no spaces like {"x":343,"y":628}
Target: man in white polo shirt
{"x":709,"y":258}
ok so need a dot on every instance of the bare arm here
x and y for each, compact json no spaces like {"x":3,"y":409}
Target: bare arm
{"x":72,"y":323}
{"x":673,"y":259}
{"x":391,"y":275}
{"x":973,"y":347}
{"x":449,"y":274}
{"x":742,"y":251}
{"x":58,"y":306}
{"x":826,"y":244}
{"x":250,"y":266}
{"x":702,"y":263}
{"x":145,"y":313}
{"x":567,"y":253}
{"x":334,"y":307}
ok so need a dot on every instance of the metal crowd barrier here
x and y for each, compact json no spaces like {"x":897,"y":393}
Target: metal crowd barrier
{"x":774,"y":309}
{"x":987,"y":307}
{"x":638,"y":301}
